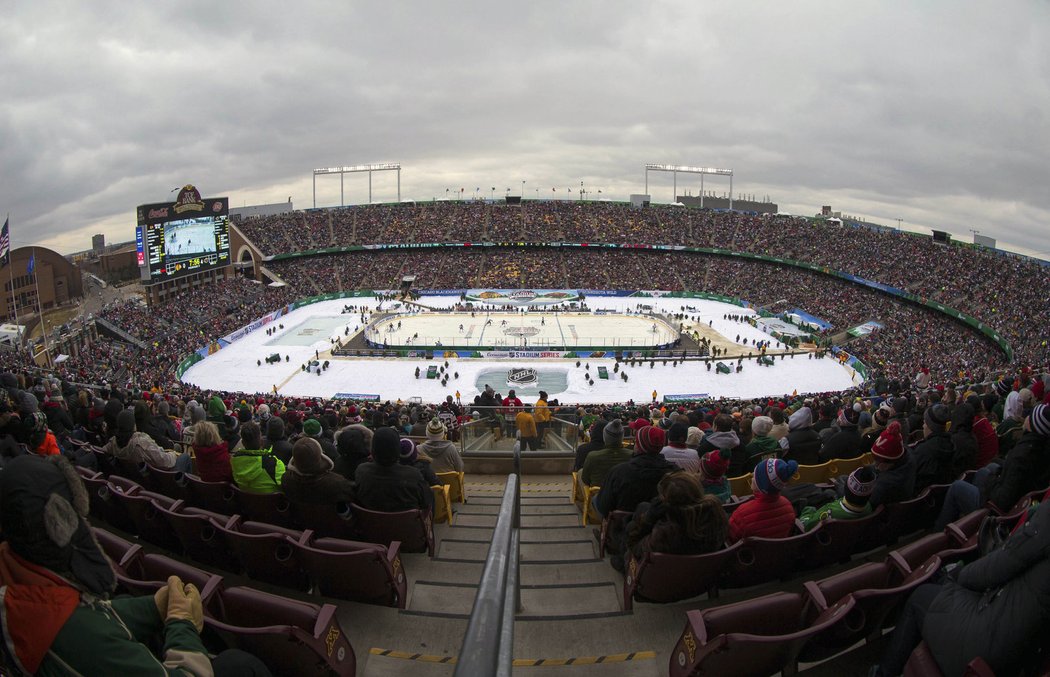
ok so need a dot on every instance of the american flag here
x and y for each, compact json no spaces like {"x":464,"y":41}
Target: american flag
{"x":5,"y":242}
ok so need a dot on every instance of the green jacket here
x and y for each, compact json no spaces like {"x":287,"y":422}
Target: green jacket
{"x":110,"y":638}
{"x":258,"y":471}
{"x":600,"y":461}
{"x":811,"y":516}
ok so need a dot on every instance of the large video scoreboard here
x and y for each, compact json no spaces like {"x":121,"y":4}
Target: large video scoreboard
{"x":186,"y":236}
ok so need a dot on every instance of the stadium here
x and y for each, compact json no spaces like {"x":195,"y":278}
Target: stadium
{"x":653,"y":321}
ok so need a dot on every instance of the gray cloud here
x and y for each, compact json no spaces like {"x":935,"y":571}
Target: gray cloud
{"x":933,"y":112}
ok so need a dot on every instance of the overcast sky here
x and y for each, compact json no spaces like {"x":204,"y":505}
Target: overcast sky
{"x":932,"y":112}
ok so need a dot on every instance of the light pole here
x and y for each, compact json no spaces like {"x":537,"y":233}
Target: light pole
{"x":523,"y":189}
{"x":899,"y":219}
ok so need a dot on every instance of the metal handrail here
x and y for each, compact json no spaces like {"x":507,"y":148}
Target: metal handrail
{"x":488,"y":644}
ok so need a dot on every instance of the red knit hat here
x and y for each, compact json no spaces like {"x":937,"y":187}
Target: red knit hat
{"x":890,"y":445}
{"x":715,"y":464}
{"x":649,"y":440}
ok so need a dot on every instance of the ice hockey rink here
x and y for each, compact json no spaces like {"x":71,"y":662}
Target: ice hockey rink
{"x":188,"y":238}
{"x":309,"y":332}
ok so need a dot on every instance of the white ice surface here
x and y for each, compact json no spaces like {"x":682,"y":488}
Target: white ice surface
{"x":234,"y":367}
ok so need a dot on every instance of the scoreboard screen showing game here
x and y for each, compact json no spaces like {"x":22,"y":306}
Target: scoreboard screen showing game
{"x":187,"y":236}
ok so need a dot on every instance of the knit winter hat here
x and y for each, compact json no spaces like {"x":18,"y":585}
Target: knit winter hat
{"x":761,"y":425}
{"x":884,"y":413}
{"x":263,"y":412}
{"x":937,"y":417}
{"x":613,"y":433}
{"x":308,"y":459}
{"x":772,"y":474}
{"x":849,"y":416}
{"x":715,"y":464}
{"x":126,"y":421}
{"x":274,"y":429}
{"x":386,"y":446}
{"x":803,"y":418}
{"x":859,"y":485}
{"x":890,"y":445}
{"x":649,"y":440}
{"x":678,"y":433}
{"x":407,"y":453}
{"x":216,"y":407}
{"x":312,"y":427}
{"x":695,"y":435}
{"x":435,"y":430}
{"x":1003,"y":386}
{"x":1039,"y":420}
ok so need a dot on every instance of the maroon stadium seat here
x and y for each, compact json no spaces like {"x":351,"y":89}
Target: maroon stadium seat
{"x":332,"y":520}
{"x":171,"y":483}
{"x":125,"y":484}
{"x":413,"y":528}
{"x":197,"y":531}
{"x":104,"y":506}
{"x":106,"y":463}
{"x":964,"y":530}
{"x":270,"y":508}
{"x":289,"y":636}
{"x":760,"y":636}
{"x":153,"y":572}
{"x":838,"y":539}
{"x":266,"y":552}
{"x":759,"y":560}
{"x":124,"y":554}
{"x":136,"y":471}
{"x":874,"y":599}
{"x":910,"y":557}
{"x":214,"y":496}
{"x":86,"y":472}
{"x":149,"y":522}
{"x":907,"y":517}
{"x":660,"y":577}
{"x":356,"y":571}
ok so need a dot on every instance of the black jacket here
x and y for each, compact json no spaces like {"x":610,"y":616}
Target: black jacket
{"x":965,"y":457}
{"x":803,"y":447}
{"x":1027,"y":468}
{"x":934,"y":461}
{"x":392,"y":488}
{"x":998,"y":607}
{"x":846,"y":443}
{"x":894,"y":484}
{"x":630,"y":483}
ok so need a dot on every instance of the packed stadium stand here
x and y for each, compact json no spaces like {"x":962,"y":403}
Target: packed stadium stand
{"x":812,"y":532}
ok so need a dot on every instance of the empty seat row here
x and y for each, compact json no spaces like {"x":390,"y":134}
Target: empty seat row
{"x":290,"y":636}
{"x":334,"y":567}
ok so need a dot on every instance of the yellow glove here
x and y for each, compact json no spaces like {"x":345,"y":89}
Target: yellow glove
{"x":160,"y":598}
{"x":184,"y":602}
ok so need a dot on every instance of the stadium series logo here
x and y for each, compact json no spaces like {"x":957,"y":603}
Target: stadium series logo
{"x":189,"y":200}
{"x":522,"y":376}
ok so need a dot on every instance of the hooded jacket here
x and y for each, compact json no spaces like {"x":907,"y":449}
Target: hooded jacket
{"x":444,"y":455}
{"x":630,"y":483}
{"x":257,"y":470}
{"x":140,"y":448}
{"x":934,"y":461}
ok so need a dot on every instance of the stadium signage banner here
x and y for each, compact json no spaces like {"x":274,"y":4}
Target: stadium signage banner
{"x":685,"y":398}
{"x":864,"y":329}
{"x":522,"y":297}
{"x":356,"y":396}
{"x":249,"y":328}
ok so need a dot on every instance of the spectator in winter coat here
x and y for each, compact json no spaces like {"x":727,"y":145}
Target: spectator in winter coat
{"x":352,"y":449}
{"x":444,"y":456}
{"x":846,"y":443}
{"x":676,"y":450}
{"x":255,"y":468}
{"x":713,"y":466}
{"x":761,"y":447}
{"x":130,"y":445}
{"x":630,"y":483}
{"x":385,"y":485}
{"x":1026,"y":469}
{"x":963,"y":439}
{"x":226,"y":424}
{"x":597,"y":430}
{"x":769,"y":514}
{"x":309,"y":477}
{"x":57,"y":581}
{"x":681,"y":520}
{"x":196,"y":414}
{"x":601,"y":461}
{"x":802,"y":443}
{"x":996,"y":608}
{"x":144,"y":423}
{"x":935,"y":455}
{"x":1009,"y":429}
{"x":780,"y":426}
{"x":894,"y":468}
{"x":39,"y":439}
{"x":409,"y":456}
{"x":526,"y":425}
{"x":983,"y":432}
{"x":853,"y":504}
{"x":277,"y":441}
{"x":211,"y":455}
{"x":312,"y":428}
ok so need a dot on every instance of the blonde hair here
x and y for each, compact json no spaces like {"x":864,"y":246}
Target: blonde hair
{"x":206,"y":434}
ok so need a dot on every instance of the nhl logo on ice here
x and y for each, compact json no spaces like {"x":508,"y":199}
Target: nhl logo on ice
{"x":522,"y":376}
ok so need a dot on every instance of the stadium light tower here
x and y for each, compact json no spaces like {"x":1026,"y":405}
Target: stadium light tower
{"x":675,"y":169}
{"x":378,"y":167}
